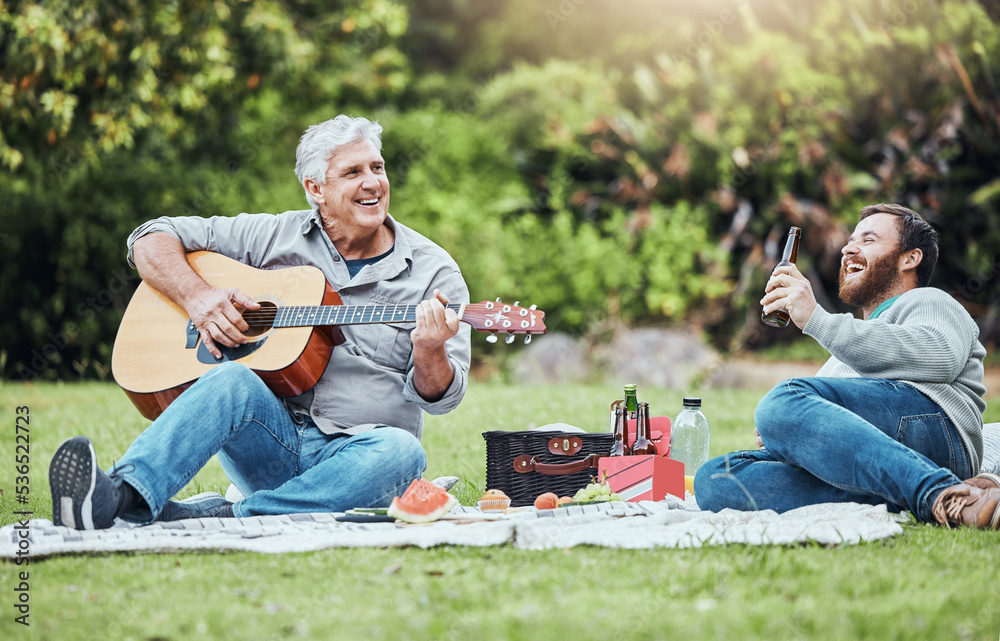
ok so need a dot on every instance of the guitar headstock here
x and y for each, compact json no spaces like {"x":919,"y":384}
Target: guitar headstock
{"x":496,"y":317}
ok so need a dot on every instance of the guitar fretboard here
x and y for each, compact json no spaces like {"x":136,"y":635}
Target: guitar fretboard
{"x":310,"y":316}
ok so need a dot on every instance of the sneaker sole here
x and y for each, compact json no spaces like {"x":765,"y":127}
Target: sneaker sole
{"x":72,"y":478}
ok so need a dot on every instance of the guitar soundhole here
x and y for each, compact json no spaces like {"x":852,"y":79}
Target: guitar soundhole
{"x":260,"y":320}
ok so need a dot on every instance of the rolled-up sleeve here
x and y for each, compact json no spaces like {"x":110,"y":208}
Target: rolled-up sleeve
{"x":158,"y":225}
{"x":245,"y":238}
{"x":458,"y":347}
{"x":452,"y":397}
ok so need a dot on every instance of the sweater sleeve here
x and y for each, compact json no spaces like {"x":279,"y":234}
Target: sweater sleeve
{"x":924,"y":337}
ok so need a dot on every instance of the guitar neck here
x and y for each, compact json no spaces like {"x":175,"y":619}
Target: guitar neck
{"x":313,"y":315}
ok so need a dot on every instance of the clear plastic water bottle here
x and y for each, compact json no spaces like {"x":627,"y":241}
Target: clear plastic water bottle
{"x":689,"y":435}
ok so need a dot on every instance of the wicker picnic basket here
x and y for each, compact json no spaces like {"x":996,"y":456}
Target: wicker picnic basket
{"x":526,"y":464}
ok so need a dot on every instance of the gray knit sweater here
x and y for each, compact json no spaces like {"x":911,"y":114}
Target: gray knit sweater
{"x":925,"y":339}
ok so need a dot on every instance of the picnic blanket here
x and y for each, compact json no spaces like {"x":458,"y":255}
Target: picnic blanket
{"x":670,"y":523}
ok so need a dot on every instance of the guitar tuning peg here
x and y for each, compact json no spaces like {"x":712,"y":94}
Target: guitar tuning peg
{"x":509,"y":339}
{"x":498,"y":299}
{"x":491,"y":338}
{"x":517,"y":303}
{"x":533,"y":307}
{"x":527,"y":339}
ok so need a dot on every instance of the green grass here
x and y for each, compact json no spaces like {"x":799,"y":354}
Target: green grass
{"x":804,"y":349}
{"x":929,"y":583}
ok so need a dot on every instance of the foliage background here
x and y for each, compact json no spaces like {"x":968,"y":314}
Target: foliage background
{"x":639,"y":162}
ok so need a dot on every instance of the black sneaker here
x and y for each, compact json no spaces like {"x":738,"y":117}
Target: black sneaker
{"x":83,"y":496}
{"x":199,"y":506}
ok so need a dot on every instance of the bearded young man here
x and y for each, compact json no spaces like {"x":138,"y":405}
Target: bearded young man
{"x":895,"y":415}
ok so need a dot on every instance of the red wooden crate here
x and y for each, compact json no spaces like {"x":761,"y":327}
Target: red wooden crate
{"x":642,"y":478}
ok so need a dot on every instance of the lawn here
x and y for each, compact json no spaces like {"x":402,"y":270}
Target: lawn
{"x":929,"y":583}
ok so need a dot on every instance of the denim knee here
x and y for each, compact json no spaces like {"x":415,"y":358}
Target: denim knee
{"x":230,"y":373}
{"x":402,"y":447}
{"x":232,"y":379}
{"x":771,"y":412}
{"x":705,"y":487}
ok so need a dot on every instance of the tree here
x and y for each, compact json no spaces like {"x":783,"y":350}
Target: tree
{"x":116,"y":112}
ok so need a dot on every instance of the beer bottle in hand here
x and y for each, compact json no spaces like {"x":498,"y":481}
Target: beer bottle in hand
{"x":779,"y":317}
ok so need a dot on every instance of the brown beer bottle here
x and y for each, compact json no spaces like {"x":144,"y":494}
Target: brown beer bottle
{"x":642,"y":443}
{"x":779,"y":317}
{"x":620,"y":445}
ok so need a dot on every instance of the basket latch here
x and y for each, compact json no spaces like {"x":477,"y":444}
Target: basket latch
{"x":565,"y":445}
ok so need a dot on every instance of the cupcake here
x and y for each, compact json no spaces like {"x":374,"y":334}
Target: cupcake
{"x":494,"y":501}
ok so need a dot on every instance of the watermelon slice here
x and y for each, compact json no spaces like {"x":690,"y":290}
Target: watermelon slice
{"x":422,"y":502}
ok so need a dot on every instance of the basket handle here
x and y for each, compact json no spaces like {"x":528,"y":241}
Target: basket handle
{"x":525,"y":463}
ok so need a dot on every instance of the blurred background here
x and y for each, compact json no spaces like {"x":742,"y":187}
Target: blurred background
{"x":624,"y":166}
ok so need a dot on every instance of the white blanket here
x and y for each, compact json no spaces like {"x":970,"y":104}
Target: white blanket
{"x":670,"y":523}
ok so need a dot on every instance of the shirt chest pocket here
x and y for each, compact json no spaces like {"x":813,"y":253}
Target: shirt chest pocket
{"x":389,"y":345}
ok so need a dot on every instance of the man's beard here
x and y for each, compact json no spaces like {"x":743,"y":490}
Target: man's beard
{"x":879,"y":278}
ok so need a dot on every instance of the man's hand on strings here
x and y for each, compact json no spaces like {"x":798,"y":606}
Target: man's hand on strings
{"x":217,"y":314}
{"x":436,"y":323}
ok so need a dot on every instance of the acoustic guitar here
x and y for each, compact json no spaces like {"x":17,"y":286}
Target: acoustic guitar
{"x":158,"y":352}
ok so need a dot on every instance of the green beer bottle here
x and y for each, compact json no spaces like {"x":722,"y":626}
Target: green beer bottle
{"x":631,"y":401}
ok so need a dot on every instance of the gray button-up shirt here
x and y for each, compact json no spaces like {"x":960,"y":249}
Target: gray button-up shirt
{"x":369,"y":379}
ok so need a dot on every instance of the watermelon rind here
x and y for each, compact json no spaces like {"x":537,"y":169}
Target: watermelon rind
{"x":411,"y":508}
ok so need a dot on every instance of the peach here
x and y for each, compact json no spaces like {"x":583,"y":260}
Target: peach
{"x":546,"y":501}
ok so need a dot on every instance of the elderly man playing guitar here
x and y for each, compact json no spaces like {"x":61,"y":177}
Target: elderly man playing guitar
{"x":353,"y":438}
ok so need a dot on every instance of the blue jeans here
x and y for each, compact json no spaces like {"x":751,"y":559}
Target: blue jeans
{"x":860,"y":440}
{"x":279,"y":465}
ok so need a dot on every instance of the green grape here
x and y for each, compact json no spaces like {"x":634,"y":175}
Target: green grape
{"x":605,"y":490}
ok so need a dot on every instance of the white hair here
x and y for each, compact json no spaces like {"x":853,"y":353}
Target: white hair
{"x":320,"y":142}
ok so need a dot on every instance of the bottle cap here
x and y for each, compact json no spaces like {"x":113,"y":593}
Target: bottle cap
{"x":692,"y":401}
{"x":630,"y":387}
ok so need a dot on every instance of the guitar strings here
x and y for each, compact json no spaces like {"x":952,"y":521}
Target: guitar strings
{"x":267,"y":315}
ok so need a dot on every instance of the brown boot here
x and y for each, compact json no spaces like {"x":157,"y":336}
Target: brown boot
{"x":968,"y":505}
{"x":984,"y":481}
